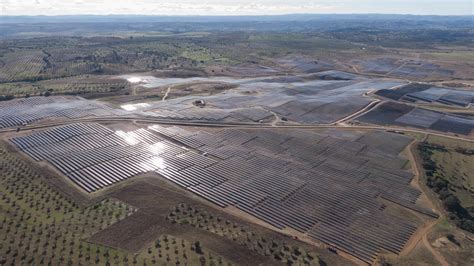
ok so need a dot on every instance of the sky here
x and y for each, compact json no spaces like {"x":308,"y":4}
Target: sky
{"x":233,"y":7}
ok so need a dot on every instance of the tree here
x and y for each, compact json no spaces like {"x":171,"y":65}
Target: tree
{"x":453,"y":239}
{"x":467,"y":225}
{"x":439,"y":185}
{"x":202,"y":260}
{"x":197,"y":247}
{"x":451,"y":203}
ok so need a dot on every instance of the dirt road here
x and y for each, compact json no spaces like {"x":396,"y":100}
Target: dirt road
{"x":166,"y":94}
{"x":418,"y":171}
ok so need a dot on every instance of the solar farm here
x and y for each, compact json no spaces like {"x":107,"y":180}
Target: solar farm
{"x":307,"y":99}
{"x":326,"y":187}
{"x":319,"y":157}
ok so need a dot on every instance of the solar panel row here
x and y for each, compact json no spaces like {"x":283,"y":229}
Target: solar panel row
{"x":24,"y":111}
{"x":390,"y":113}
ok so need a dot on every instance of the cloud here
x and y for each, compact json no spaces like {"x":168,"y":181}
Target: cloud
{"x":184,"y":7}
{"x":231,"y":7}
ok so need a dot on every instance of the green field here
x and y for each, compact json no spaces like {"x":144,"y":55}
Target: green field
{"x":449,"y":167}
{"x":457,"y":169}
{"x":451,"y":56}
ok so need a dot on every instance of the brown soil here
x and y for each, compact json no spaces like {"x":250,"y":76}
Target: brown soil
{"x":155,"y":198}
{"x":206,"y":88}
{"x":154,"y":203}
{"x":422,"y":232}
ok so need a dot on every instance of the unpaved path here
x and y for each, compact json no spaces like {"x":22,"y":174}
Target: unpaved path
{"x":418,"y":171}
{"x":361,"y":112}
{"x":276,"y":120}
{"x":435,"y":253}
{"x":369,"y":107}
{"x":166,"y":94}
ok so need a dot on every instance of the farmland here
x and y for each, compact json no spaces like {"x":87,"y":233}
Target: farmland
{"x":40,"y":225}
{"x":37,"y":58}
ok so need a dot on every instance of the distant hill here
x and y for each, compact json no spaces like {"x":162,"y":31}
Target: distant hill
{"x":356,"y":27}
{"x":267,"y":18}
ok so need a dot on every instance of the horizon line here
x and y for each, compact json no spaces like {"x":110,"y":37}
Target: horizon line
{"x":242,"y":15}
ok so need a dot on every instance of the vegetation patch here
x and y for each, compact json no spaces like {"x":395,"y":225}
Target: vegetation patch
{"x":176,"y":251}
{"x":188,"y":215}
{"x":449,"y":174}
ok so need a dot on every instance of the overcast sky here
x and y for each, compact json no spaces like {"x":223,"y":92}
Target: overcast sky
{"x":233,"y":7}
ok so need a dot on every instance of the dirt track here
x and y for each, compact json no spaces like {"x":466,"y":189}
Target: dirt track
{"x":166,"y":94}
{"x":418,"y":171}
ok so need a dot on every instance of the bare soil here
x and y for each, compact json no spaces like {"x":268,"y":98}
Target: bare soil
{"x":155,"y":198}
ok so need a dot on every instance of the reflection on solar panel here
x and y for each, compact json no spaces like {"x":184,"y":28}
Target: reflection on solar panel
{"x":94,"y":156}
{"x":319,"y":185}
{"x":23,"y":111}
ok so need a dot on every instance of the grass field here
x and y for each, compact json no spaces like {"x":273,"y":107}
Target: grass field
{"x":455,"y":167}
{"x":457,"y":56}
{"x":452,"y":243}
{"x":449,"y":165}
{"x":449,"y":142}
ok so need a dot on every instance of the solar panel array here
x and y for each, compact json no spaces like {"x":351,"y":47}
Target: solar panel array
{"x":24,"y":111}
{"x":423,"y":93}
{"x":323,"y":186}
{"x":463,"y":98}
{"x":94,"y":157}
{"x":211,"y":114}
{"x":319,"y":185}
{"x":393,"y":113}
{"x":296,"y":99}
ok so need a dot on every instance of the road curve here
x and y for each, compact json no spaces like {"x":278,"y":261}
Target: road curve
{"x":418,"y":172}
